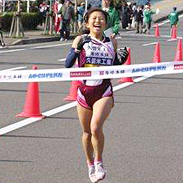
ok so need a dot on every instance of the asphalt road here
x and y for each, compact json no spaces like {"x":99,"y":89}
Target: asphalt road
{"x":143,"y":134}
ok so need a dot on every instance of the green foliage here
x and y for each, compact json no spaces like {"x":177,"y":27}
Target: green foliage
{"x":30,"y":21}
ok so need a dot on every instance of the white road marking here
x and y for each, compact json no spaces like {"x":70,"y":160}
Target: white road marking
{"x":149,"y":44}
{"x":62,"y":59}
{"x":50,"y":46}
{"x":174,"y":39}
{"x":12,"y":69}
{"x":51,"y":112}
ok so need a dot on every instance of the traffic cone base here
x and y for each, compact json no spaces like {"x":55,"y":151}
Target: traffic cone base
{"x":73,"y":91}
{"x":27,"y":115}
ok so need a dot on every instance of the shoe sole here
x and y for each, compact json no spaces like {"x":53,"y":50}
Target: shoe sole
{"x":101,"y":179}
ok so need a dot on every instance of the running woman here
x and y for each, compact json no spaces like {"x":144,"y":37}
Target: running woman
{"x":95,"y":97}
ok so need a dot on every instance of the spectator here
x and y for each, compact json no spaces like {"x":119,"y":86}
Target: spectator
{"x":125,"y":16}
{"x":67,"y":15}
{"x":57,"y":17}
{"x":43,"y":8}
{"x":134,"y":8}
{"x":113,"y":20}
{"x":138,"y":15}
{"x":148,"y":18}
{"x":173,"y":17}
{"x":129,"y":15}
{"x":80,"y":11}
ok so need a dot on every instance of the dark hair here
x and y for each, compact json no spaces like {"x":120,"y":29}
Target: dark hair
{"x":91,"y":10}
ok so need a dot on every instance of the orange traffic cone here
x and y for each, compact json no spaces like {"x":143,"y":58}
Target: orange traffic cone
{"x":178,"y":55}
{"x":157,"y":31}
{"x":31,"y":107}
{"x":128,"y":62}
{"x":73,"y":91}
{"x":174,"y":32}
{"x":157,"y":57}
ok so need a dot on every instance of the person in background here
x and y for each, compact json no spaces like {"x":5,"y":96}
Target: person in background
{"x":2,"y":43}
{"x":134,"y":8}
{"x":148,"y":18}
{"x":173,"y":17}
{"x":113,"y":19}
{"x":43,"y":8}
{"x":94,"y":97}
{"x":67,"y":15}
{"x":138,"y":15}
{"x":124,"y":18}
{"x":80,"y":11}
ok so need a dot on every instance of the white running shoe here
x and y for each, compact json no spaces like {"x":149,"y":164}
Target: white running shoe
{"x":91,"y":173}
{"x":99,"y":171}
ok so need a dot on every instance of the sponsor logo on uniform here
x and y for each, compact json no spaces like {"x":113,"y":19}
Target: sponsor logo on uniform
{"x":179,"y":66}
{"x":80,"y":74}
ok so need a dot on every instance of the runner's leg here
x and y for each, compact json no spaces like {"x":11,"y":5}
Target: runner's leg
{"x":85,"y":116}
{"x":101,"y":110}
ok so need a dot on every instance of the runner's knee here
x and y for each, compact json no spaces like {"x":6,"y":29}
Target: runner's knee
{"x":96,"y":130}
{"x":87,"y":135}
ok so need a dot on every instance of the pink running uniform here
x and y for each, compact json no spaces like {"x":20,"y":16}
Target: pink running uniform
{"x":94,"y":54}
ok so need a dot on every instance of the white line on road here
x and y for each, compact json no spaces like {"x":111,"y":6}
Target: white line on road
{"x":149,"y":44}
{"x":172,"y":39}
{"x":12,"y":69}
{"x":28,"y":121}
{"x":62,"y":59}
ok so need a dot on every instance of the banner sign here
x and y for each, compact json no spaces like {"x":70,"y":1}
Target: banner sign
{"x":90,"y":73}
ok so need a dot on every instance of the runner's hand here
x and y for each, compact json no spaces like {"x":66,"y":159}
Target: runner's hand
{"x":122,"y":55}
{"x":84,"y":39}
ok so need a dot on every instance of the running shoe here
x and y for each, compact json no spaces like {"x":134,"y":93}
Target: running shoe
{"x":91,"y":173}
{"x":99,"y":171}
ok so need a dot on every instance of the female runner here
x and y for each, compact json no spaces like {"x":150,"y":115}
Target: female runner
{"x":95,"y":97}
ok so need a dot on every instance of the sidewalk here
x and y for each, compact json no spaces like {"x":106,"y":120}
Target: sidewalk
{"x":37,"y":36}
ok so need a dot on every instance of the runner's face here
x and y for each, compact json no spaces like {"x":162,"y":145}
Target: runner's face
{"x":96,"y":23}
{"x":105,"y":3}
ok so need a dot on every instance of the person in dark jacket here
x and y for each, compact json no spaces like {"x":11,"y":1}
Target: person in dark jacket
{"x":125,"y":16}
{"x":67,"y":15}
{"x":138,"y":14}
